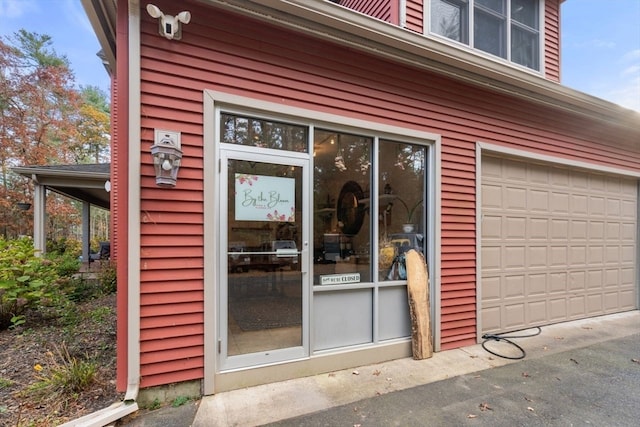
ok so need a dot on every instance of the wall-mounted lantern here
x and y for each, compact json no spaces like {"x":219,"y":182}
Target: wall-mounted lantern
{"x":166,"y":154}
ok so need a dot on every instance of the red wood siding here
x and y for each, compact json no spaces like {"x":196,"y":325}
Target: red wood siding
{"x":233,"y":54}
{"x":415,"y":14}
{"x":385,"y":10}
{"x":552,"y":40}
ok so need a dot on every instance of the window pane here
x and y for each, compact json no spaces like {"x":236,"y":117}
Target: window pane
{"x":449,"y":19}
{"x":525,"y":12}
{"x":341,"y":222}
{"x":489,"y":33}
{"x":401,"y":219}
{"x":495,"y":5}
{"x":263,"y":133}
{"x":524,"y":47}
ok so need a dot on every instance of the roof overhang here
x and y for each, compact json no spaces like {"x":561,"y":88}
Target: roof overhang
{"x":329,"y":21}
{"x":82,"y":182}
{"x":102,"y":15}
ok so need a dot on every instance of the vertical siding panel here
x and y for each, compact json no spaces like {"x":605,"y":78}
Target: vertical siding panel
{"x":552,"y":40}
{"x":415,"y":14}
{"x":234,"y":54}
{"x":385,"y":10}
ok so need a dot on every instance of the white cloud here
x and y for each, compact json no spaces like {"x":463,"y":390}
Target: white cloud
{"x":632,"y":70}
{"x":627,"y":94}
{"x":631,"y":56}
{"x":16,"y":8}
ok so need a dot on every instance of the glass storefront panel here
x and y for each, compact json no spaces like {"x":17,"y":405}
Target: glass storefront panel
{"x":341,"y":221}
{"x":255,"y":132}
{"x":401,"y":206}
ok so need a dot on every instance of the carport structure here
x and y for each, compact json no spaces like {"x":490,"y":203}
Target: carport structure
{"x":88,"y":183}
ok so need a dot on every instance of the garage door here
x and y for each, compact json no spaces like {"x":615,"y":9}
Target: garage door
{"x":557,"y":244}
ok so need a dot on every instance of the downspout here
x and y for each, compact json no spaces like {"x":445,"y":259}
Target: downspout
{"x":133,"y":214}
{"x":129,"y":405}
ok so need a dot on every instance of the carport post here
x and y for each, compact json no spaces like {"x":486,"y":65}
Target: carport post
{"x":39,"y":217}
{"x":86,"y":226}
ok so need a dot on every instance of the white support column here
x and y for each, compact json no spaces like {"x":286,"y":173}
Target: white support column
{"x":39,"y":218}
{"x":86,"y":233}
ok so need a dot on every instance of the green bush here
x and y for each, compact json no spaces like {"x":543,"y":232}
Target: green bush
{"x":64,"y":246}
{"x":107,"y":277}
{"x":66,"y":264}
{"x":26,"y":281}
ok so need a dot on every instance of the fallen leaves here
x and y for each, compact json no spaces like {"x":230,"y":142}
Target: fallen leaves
{"x":485,"y":407}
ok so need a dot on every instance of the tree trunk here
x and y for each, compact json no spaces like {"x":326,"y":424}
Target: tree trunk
{"x":418,"y":289}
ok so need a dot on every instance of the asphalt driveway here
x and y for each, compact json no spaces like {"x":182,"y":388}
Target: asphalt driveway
{"x":597,"y":385}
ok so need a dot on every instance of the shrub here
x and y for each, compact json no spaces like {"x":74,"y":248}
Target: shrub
{"x":66,"y":264}
{"x":26,"y":281}
{"x":64,"y":246}
{"x":107,"y":277}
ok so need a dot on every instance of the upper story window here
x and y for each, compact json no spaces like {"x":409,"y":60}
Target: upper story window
{"x":509,"y":29}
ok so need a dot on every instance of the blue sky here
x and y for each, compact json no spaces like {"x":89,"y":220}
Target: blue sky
{"x":600,"y":48}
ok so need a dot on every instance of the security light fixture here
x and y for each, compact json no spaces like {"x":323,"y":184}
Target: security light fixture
{"x":169,"y":26}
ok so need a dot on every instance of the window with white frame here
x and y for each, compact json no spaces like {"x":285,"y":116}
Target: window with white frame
{"x":509,"y":29}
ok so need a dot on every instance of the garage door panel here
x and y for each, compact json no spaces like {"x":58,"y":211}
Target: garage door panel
{"x":514,"y":287}
{"x":515,"y":228}
{"x":557,"y":243}
{"x":577,"y":281}
{"x":578,"y":230}
{"x":628,"y":231}
{"x":597,"y":206}
{"x":557,"y":309}
{"x":537,"y":312}
{"x":579,"y":204}
{"x":577,"y":255}
{"x":514,"y":315}
{"x":627,"y":299}
{"x":539,"y":228}
{"x":491,"y":318}
{"x":627,"y":209}
{"x":537,"y":285}
{"x":491,"y":227}
{"x":576,"y":306}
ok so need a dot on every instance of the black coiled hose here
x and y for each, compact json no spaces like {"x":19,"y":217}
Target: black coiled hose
{"x":507,"y":338}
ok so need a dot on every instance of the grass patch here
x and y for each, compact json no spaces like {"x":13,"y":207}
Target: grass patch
{"x":65,"y":375}
{"x":5,"y":383}
{"x":179,"y":401}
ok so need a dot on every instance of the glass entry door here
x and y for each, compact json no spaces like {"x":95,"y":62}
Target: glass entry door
{"x":263,"y":290}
